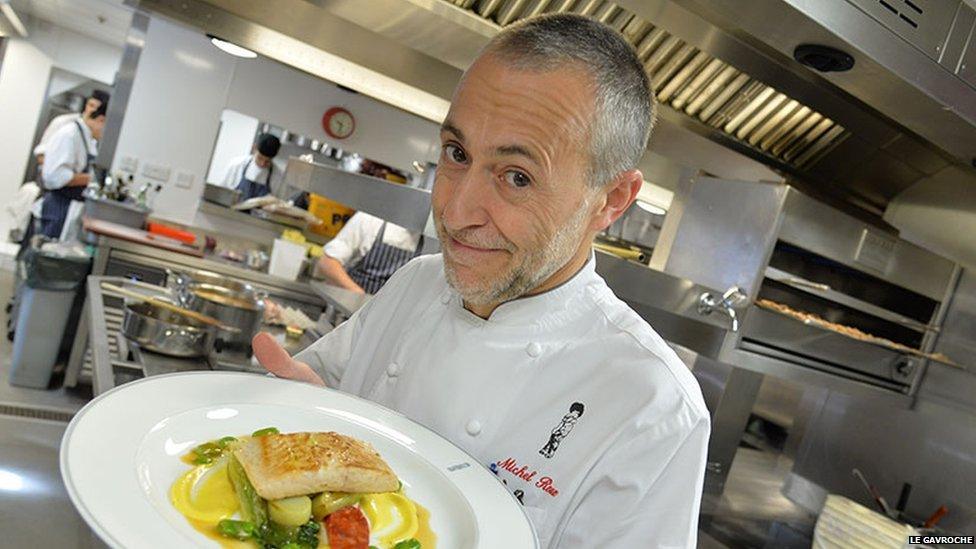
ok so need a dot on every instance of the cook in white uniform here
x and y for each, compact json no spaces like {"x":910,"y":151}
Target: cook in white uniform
{"x":366,"y":253}
{"x":254,"y":174}
{"x":97,"y":98}
{"x":68,"y":168}
{"x":510,"y":344}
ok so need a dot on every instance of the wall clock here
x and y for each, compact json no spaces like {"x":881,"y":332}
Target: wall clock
{"x":338,"y":122}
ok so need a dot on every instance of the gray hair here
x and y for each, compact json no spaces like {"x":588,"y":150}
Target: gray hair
{"x":625,"y":107}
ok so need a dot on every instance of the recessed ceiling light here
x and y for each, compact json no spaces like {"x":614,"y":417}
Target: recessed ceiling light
{"x":650,"y":208}
{"x":231,"y":48}
{"x":12,"y":19}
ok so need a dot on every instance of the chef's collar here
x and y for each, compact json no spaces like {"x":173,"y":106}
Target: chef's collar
{"x":550,"y":308}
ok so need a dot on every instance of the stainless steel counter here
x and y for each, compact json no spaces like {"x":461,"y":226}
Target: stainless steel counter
{"x":115,"y":361}
{"x":131,"y":261}
{"x":109,"y":248}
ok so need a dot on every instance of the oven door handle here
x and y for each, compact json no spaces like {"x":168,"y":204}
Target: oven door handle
{"x":808,"y":284}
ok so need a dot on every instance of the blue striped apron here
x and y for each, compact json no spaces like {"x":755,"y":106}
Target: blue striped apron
{"x":379,"y":264}
{"x":54,"y":209}
{"x":251,"y":189}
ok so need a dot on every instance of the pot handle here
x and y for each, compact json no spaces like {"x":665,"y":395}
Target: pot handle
{"x":182,"y":283}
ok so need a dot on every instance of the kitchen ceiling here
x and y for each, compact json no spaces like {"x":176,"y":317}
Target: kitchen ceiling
{"x":103,"y":20}
{"x":850,"y":138}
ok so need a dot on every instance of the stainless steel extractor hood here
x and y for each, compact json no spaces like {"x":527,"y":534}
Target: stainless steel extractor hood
{"x":724,"y":70}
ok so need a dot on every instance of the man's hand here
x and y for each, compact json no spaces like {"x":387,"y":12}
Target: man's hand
{"x":275,"y":358}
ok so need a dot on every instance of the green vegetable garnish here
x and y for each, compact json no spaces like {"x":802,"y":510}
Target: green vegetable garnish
{"x":237,"y":529}
{"x":265,"y":431}
{"x":253,"y":508}
{"x":408,"y":544}
{"x":306,"y":536}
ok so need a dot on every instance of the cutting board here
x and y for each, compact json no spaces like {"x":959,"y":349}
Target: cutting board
{"x":140,"y":236}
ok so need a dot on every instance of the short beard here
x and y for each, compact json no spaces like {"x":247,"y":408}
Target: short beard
{"x":525,"y":276}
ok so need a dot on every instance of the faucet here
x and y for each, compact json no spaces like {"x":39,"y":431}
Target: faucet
{"x":707,"y":303}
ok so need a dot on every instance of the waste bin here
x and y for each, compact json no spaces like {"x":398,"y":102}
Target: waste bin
{"x":52,"y":280}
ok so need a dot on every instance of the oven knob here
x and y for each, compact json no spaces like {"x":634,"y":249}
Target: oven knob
{"x":904,"y":367}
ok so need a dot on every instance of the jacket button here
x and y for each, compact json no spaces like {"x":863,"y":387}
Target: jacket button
{"x":446,"y":298}
{"x":533,"y":349}
{"x":393,"y":369}
{"x":473,"y":427}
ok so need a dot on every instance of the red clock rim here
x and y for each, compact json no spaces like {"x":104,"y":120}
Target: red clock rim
{"x":332,"y":112}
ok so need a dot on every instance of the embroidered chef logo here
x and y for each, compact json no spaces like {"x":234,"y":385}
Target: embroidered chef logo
{"x":562,"y":430}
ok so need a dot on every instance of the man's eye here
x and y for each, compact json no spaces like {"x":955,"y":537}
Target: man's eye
{"x":517,"y":179}
{"x":454,"y":153}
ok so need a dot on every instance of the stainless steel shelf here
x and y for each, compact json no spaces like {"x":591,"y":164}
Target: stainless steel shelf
{"x":405,"y":206}
{"x":824,"y":291}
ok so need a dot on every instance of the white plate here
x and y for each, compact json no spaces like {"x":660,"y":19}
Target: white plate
{"x":120,"y":454}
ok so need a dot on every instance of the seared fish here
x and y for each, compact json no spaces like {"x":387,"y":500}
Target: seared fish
{"x":294,"y":464}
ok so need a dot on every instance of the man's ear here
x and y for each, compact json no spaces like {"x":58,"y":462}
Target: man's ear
{"x":618,"y":195}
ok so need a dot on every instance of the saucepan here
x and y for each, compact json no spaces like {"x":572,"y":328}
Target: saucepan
{"x":163,"y":331}
{"x":232,"y":302}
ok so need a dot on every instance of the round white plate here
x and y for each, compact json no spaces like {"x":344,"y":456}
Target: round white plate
{"x":120,"y":454}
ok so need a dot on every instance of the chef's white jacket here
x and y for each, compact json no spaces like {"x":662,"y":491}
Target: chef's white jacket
{"x":66,"y":155}
{"x":236,"y":167}
{"x":627,"y":472}
{"x":358,"y":235}
{"x":53,"y":126}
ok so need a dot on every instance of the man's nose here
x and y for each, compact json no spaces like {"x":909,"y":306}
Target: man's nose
{"x":469,"y":200}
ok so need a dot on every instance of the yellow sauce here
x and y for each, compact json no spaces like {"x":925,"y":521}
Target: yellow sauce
{"x":205,"y":496}
{"x":426,"y":536}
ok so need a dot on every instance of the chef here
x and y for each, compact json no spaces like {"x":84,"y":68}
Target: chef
{"x":68,"y":168}
{"x":509,"y":343}
{"x":252,"y":174}
{"x":366,"y":253}
{"x":95,"y":100}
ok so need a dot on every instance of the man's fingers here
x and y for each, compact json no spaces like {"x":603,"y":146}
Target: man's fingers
{"x":273,"y":356}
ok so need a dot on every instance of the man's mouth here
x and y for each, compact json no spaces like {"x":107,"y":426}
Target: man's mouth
{"x":461,"y":246}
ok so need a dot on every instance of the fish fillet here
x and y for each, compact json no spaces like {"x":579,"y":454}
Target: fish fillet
{"x":294,"y":464}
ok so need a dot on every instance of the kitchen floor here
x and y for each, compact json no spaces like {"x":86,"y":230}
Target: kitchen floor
{"x":34,"y":507}
{"x":752,"y":511}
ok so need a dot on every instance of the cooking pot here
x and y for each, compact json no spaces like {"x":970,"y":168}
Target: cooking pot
{"x":163,"y":331}
{"x":232,"y":302}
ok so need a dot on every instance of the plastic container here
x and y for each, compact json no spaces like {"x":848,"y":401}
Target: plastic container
{"x":185,"y":237}
{"x":50,"y":287}
{"x":286,"y":259}
{"x":333,"y":214}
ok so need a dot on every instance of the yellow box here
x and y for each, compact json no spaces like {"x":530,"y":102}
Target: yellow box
{"x":333,"y":214}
